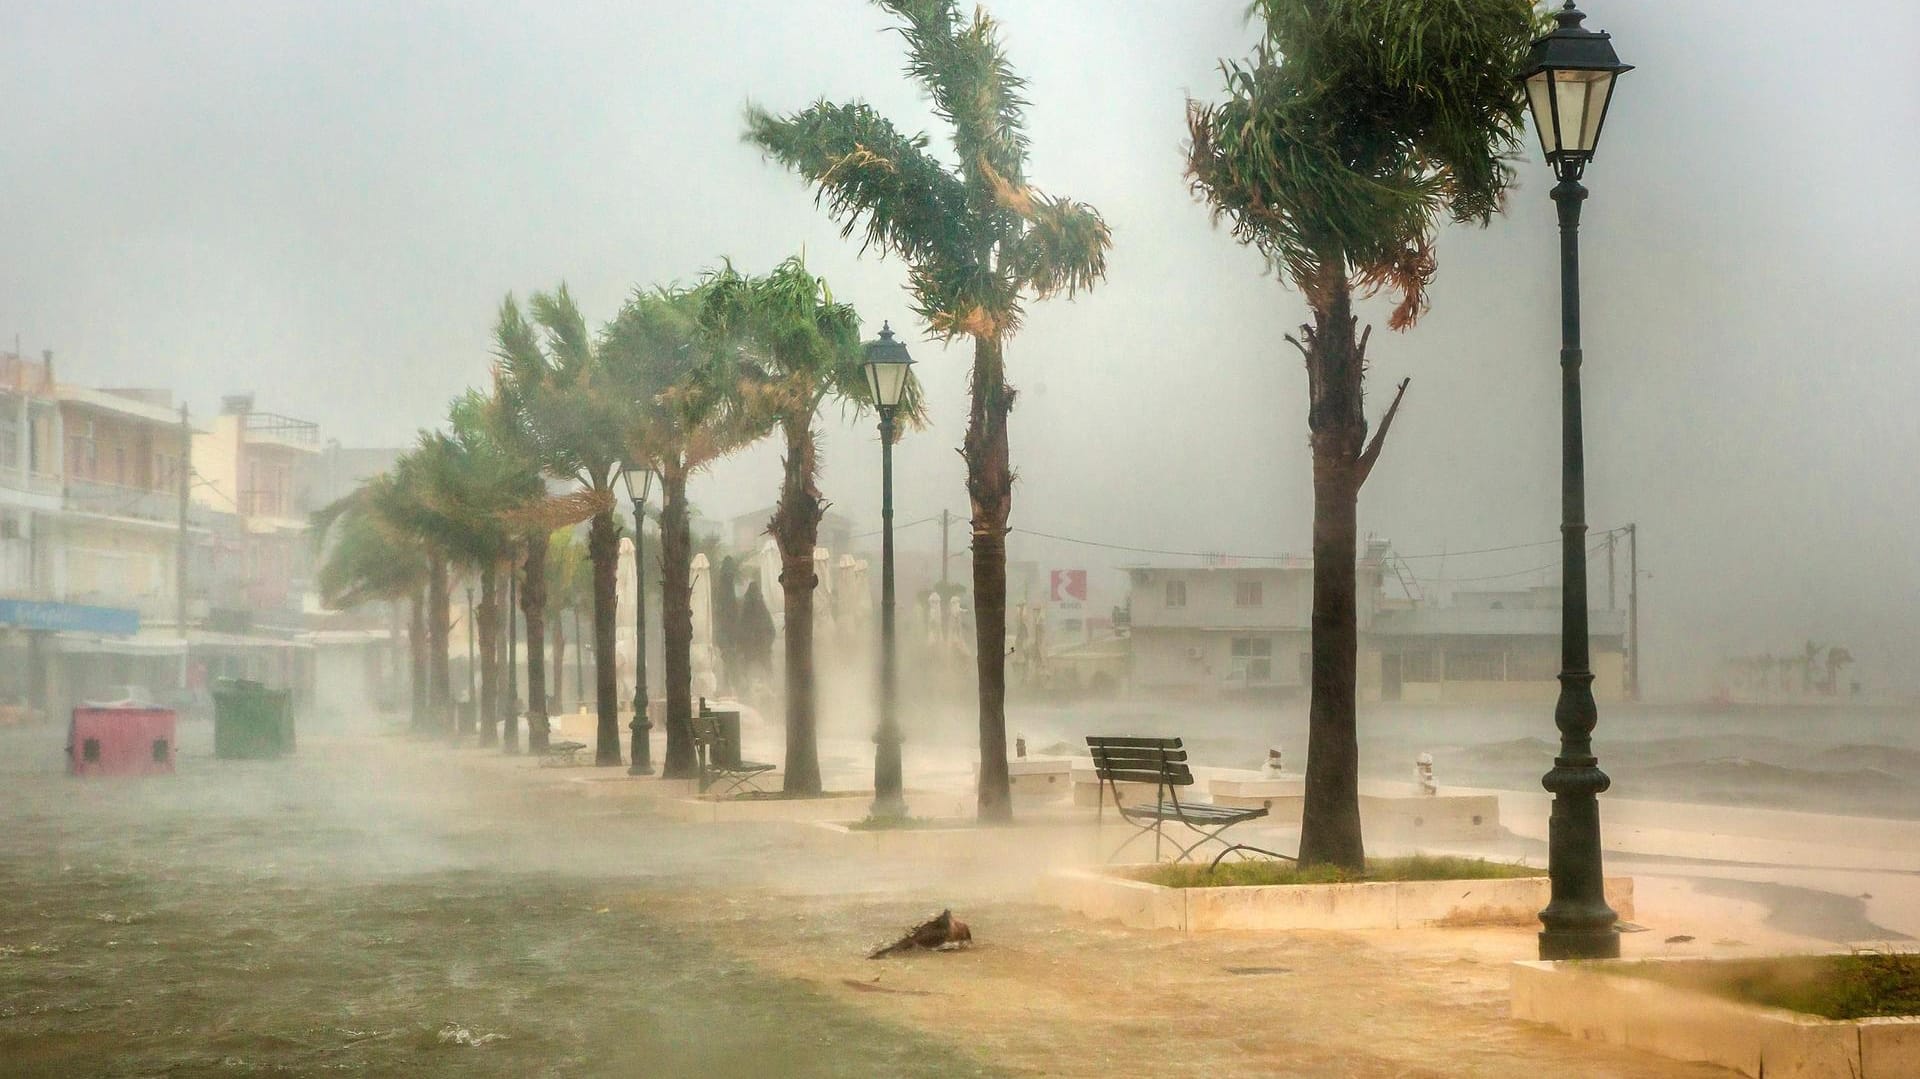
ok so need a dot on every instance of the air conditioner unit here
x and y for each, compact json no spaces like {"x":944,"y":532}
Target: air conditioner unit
{"x":9,"y":527}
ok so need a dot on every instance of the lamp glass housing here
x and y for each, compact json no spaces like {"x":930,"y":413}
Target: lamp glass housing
{"x":888,"y":381}
{"x":1568,"y":106}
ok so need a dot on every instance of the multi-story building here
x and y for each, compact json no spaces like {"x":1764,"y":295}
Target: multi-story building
{"x":1225,"y":628}
{"x":91,"y":527}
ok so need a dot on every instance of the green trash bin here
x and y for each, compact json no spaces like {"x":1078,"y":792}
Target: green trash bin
{"x":251,"y":721}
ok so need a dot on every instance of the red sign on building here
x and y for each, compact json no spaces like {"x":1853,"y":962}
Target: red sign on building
{"x":1068,"y":586}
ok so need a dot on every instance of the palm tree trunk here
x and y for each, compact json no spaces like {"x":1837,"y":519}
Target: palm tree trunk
{"x":487,"y":621}
{"x":439,"y":624}
{"x":560,"y":661}
{"x":417,"y":652}
{"x":990,"y":487}
{"x":796,"y":529}
{"x":533,"y":608}
{"x":509,"y":698}
{"x":603,"y":551}
{"x":1337,"y":422}
{"x":676,"y":621}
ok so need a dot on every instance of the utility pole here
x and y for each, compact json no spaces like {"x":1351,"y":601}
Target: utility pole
{"x":946,"y":522}
{"x":185,"y":484}
{"x":186,"y":492}
{"x":1633,"y":612}
{"x":1612,"y":592}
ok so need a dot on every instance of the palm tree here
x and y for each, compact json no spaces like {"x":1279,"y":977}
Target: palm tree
{"x":467,"y":488}
{"x":576,"y":420}
{"x":1353,"y":129}
{"x":978,"y":240}
{"x":802,"y":349}
{"x":365,"y":558}
{"x":392,"y":501}
{"x":569,"y":587}
{"x":683,"y":375}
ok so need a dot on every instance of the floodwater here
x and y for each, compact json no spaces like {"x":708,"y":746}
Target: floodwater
{"x":358,"y":910}
{"x":380,"y":906}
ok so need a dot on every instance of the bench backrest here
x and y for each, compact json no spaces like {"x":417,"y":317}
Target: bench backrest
{"x":1159,"y":761}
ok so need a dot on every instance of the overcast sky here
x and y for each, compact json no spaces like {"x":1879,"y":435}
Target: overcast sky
{"x":324,"y":203}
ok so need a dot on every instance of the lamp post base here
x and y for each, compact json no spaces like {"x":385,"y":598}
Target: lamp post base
{"x":642,"y":764}
{"x":1579,"y":944}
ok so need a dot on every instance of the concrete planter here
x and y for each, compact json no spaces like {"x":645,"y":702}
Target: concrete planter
{"x":1589,"y":1001}
{"x":1108,"y":894}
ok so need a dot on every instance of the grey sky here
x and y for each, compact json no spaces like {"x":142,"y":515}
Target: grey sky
{"x":324,"y":203}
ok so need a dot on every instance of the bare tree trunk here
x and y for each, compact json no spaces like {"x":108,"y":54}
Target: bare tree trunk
{"x":417,"y":651}
{"x":990,"y":487}
{"x":676,"y":621}
{"x":487,"y":621}
{"x":796,"y":530}
{"x":533,"y":607}
{"x":439,"y":624}
{"x":603,"y":551}
{"x":1342,"y":459}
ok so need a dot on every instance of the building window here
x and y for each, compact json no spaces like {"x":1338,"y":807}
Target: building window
{"x":1475,"y":667}
{"x":1176,"y":593}
{"x":1253,"y":660}
{"x":1417,"y":667}
{"x":1248,"y":594}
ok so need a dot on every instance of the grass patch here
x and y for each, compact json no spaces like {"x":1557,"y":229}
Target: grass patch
{"x":1858,"y":986}
{"x":1252,"y":873}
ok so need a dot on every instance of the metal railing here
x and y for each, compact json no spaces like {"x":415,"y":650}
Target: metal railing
{"x":283,"y":428}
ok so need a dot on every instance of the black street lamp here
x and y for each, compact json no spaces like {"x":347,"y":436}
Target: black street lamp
{"x":641,"y":749}
{"x":887,"y":364}
{"x":1569,"y":81}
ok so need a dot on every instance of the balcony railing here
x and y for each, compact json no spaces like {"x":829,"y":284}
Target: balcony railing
{"x":282,"y":428}
{"x":139,"y":503}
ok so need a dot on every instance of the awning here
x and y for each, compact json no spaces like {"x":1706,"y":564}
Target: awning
{"x":141,"y":645}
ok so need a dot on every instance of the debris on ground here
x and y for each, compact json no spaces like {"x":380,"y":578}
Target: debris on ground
{"x":455,"y":1034}
{"x":942,"y":932}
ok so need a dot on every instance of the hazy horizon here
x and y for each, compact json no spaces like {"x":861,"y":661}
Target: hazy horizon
{"x":325,"y":204}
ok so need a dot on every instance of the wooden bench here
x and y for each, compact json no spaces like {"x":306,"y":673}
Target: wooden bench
{"x":719,"y":758}
{"x":1163,"y":763}
{"x":562,"y":754}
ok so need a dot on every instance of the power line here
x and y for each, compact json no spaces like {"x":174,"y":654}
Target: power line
{"x":896,"y":528}
{"x":1285,"y":557}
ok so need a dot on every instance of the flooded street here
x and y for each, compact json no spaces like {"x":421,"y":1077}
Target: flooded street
{"x":380,"y":906}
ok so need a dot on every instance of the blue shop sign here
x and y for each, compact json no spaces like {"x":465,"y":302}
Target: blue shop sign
{"x":69,"y":617}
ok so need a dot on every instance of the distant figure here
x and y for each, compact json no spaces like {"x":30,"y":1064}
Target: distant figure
{"x":1020,"y":747}
{"x":1423,"y":774}
{"x":753,"y":637}
{"x":1276,"y":763}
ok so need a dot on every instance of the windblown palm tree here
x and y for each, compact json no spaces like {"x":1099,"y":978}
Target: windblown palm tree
{"x":978,"y":240}
{"x":575,"y":419}
{"x":467,"y":488}
{"x":801,"y":350}
{"x":365,"y":558}
{"x":1356,"y":126}
{"x":684,"y":376}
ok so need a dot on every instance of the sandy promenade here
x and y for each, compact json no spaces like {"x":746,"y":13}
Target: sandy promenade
{"x":383,"y":892}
